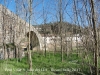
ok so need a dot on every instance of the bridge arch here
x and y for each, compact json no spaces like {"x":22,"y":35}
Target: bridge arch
{"x":35,"y":38}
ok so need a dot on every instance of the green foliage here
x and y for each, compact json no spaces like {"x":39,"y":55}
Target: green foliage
{"x":49,"y":65}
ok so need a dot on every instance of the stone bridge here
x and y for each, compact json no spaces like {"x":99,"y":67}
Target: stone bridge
{"x":15,"y":30}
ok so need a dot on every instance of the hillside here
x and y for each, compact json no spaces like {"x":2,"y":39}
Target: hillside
{"x":55,"y":28}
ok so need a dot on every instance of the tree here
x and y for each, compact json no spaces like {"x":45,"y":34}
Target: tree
{"x":29,"y":52}
{"x":95,"y":35}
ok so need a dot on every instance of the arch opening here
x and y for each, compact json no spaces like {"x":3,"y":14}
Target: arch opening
{"x":34,"y":41}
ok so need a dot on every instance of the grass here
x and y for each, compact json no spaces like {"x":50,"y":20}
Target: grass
{"x":49,"y":65}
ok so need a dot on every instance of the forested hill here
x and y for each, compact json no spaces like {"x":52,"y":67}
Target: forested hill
{"x":56,"y":27}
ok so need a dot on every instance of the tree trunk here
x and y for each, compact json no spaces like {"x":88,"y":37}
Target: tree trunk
{"x":95,"y":36}
{"x":29,"y":52}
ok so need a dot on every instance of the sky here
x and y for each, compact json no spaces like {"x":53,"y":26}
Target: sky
{"x":11,"y":5}
{"x":46,"y":11}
